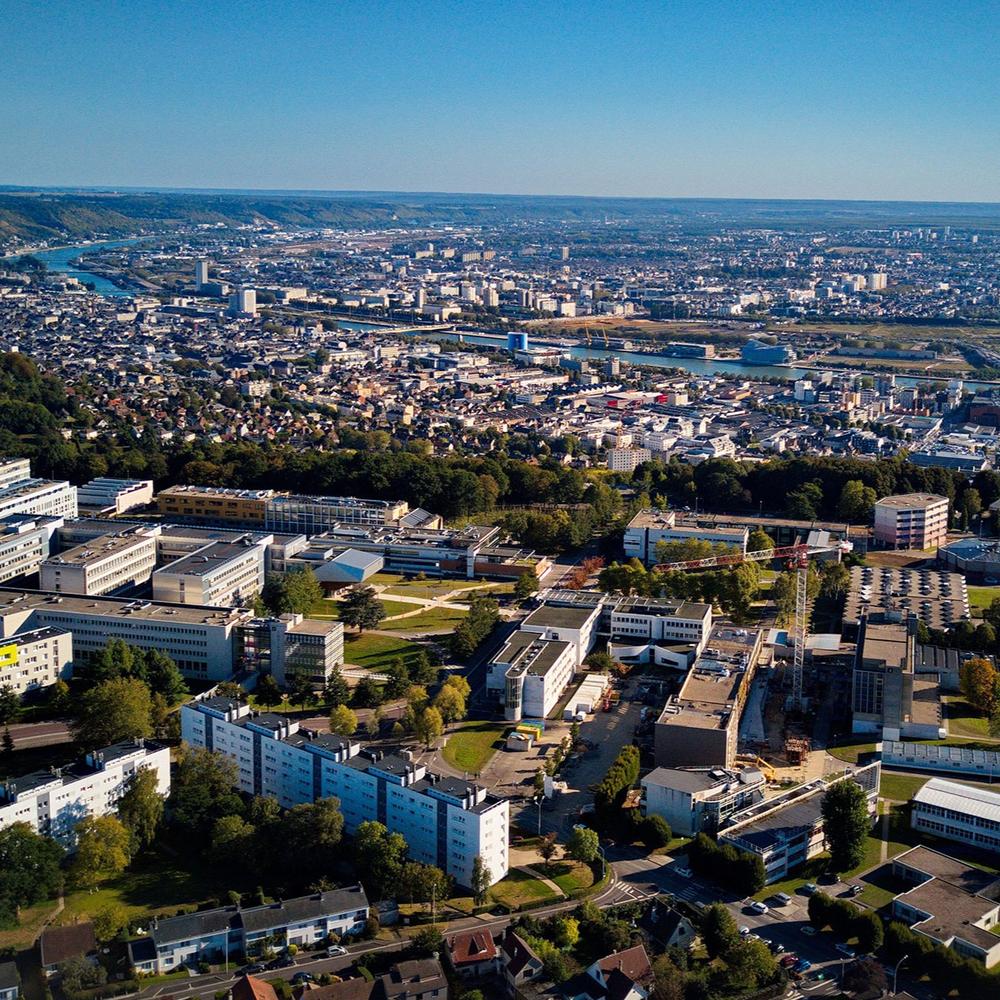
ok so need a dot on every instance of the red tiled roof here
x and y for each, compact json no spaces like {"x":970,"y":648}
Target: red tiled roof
{"x":472,"y":946}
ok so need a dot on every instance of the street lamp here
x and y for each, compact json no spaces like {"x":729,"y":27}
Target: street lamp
{"x":538,"y":802}
{"x":895,"y":972}
{"x":604,"y":862}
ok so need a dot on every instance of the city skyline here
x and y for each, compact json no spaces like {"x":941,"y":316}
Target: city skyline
{"x":690,"y":100}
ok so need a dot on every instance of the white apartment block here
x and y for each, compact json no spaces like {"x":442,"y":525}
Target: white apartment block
{"x":106,"y":564}
{"x":627,"y":459}
{"x":529,"y":675}
{"x":911,"y":521}
{"x":958,"y":812}
{"x":219,"y":574}
{"x":25,"y":542}
{"x":53,"y":802}
{"x":446,"y":821}
{"x":35,"y":660}
{"x":649,"y":527}
{"x":44,"y":497}
{"x":111,"y":497}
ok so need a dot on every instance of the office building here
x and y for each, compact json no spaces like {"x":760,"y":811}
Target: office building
{"x":41,"y":497}
{"x":313,"y":515}
{"x":962,"y":761}
{"x":699,"y":726}
{"x":292,"y":647}
{"x":959,"y":812}
{"x":787,"y":831}
{"x":529,"y":675}
{"x":112,"y":497}
{"x":211,"y":504}
{"x":575,"y":626}
{"x":650,"y":527}
{"x":219,"y":574}
{"x":756,"y":352}
{"x":699,"y":799}
{"x":52,"y":802}
{"x":107,"y":564}
{"x":238,"y":933}
{"x":888,"y":697}
{"x":887,"y":594}
{"x":14,"y":470}
{"x":25,"y":542}
{"x":446,"y":822}
{"x":200,"y":274}
{"x":951,"y":903}
{"x":977,"y":559}
{"x":911,"y":521}
{"x":33,"y":661}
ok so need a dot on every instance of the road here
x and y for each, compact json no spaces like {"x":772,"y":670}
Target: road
{"x":39,"y":734}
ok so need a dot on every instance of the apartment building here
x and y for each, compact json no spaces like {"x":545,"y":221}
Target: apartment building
{"x":699,"y":726}
{"x":14,"y":470}
{"x":234,"y":932}
{"x":212,"y":504}
{"x":950,"y":903}
{"x":958,"y":812}
{"x":787,"y":830}
{"x":911,"y":521}
{"x":219,"y":574}
{"x":32,"y":661}
{"x":446,"y":821}
{"x":529,"y":674}
{"x":25,"y":543}
{"x":52,"y":802}
{"x":697,"y":799}
{"x":111,"y":497}
{"x":42,"y":497}
{"x":650,"y":527}
{"x":107,"y":564}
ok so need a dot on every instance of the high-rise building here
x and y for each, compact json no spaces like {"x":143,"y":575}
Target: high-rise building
{"x":201,"y":273}
{"x":911,"y":521}
{"x":243,"y":302}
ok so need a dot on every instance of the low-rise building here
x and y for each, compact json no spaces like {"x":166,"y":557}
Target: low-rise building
{"x":110,"y":497}
{"x":959,"y":812}
{"x":787,"y":830}
{"x":10,"y":984}
{"x":52,"y":802}
{"x":698,"y":799}
{"x":575,"y":626}
{"x":446,"y":821}
{"x":33,"y":661}
{"x":951,"y":903}
{"x":219,"y":574}
{"x":889,"y":593}
{"x":60,"y":944}
{"x":911,"y":521}
{"x":25,"y":542}
{"x":529,"y":675}
{"x":312,"y":515}
{"x":41,"y":497}
{"x":214,"y":505}
{"x":473,"y":954}
{"x":650,"y":527}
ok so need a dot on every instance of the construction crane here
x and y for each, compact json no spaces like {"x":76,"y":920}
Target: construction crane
{"x":797,"y":557}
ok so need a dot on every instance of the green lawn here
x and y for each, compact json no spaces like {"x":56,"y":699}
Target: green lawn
{"x":849,"y":752}
{"x":570,"y":876}
{"x":433,"y":618}
{"x":900,"y":787}
{"x":962,"y":719}
{"x":980,"y":598}
{"x":329,"y":610}
{"x":396,"y":584}
{"x":519,"y":888}
{"x":471,"y":746}
{"x":375,"y":651}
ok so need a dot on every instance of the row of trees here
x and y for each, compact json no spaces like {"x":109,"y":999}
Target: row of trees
{"x":740,"y":871}
{"x":846,"y":920}
{"x":621,"y":776}
{"x":483,"y":616}
{"x":947,"y":970}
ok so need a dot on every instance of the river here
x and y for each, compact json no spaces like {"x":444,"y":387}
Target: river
{"x":60,"y":261}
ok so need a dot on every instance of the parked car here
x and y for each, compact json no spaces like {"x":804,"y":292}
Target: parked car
{"x":845,"y":950}
{"x":809,"y":888}
{"x":253,"y":968}
{"x":787,"y":961}
{"x":281,"y":962}
{"x":302,"y":977}
{"x":782,"y":898}
{"x":334,"y":950}
{"x":682,"y":871}
{"x":758,"y":907}
{"x":855,"y":890}
{"x":802,"y":965}
{"x":808,"y":930}
{"x":777,"y":948}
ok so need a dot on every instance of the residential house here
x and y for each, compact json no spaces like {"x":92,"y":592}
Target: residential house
{"x":474,"y":953}
{"x":59,"y":944}
{"x":518,"y":961}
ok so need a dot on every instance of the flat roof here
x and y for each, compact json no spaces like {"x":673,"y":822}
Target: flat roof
{"x":552,"y":616}
{"x":208,"y":559}
{"x":911,"y":501}
{"x":967,"y":799}
{"x":937,"y":597}
{"x":102,"y":547}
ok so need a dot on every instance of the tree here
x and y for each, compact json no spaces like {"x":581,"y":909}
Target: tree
{"x":481,"y":880}
{"x":7,"y":743}
{"x":459,"y":683}
{"x":857,"y":502}
{"x":759,"y":540}
{"x":203,"y":788}
{"x":719,"y":931}
{"x":343,"y":721}
{"x":868,"y":929}
{"x":164,"y":677}
{"x":311,"y":833}
{"x":302,"y":590}
{"x":29,"y":869}
{"x":109,"y":920}
{"x":300,"y":691}
{"x":103,"y":850}
{"x":668,"y":980}
{"x":10,"y":704}
{"x":845,"y":824}
{"x":368,"y":693}
{"x":141,"y":808}
{"x":567,"y":932}
{"x":116,"y":660}
{"x":60,"y":701}
{"x":379,"y":856}
{"x":428,"y":941}
{"x":747,"y":874}
{"x":656,"y":832}
{"x":547,"y":848}
{"x":750,"y":963}
{"x":980,"y":683}
{"x":336,"y":691}
{"x":835,"y":578}
{"x":526,"y":585}
{"x":450,"y":703}
{"x":399,"y":678}
{"x":77,"y":974}
{"x":267,"y":691}
{"x":113,"y":711}
{"x":865,"y":976}
{"x":429,"y":726}
{"x":970,"y":506}
{"x":233,"y":842}
{"x":583,"y":845}
{"x":362,"y":609}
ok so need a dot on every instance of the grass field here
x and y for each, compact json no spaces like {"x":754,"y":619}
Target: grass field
{"x":471,"y":746}
{"x":329,"y":610}
{"x":849,"y":752}
{"x":980,"y":598}
{"x":396,"y":584}
{"x":519,"y":888}
{"x":570,"y":876}
{"x":432,"y":618}
{"x":375,"y":651}
{"x":900,"y":787}
{"x":962,"y":719}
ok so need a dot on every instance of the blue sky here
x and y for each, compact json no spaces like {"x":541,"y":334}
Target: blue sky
{"x":739,"y":99}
